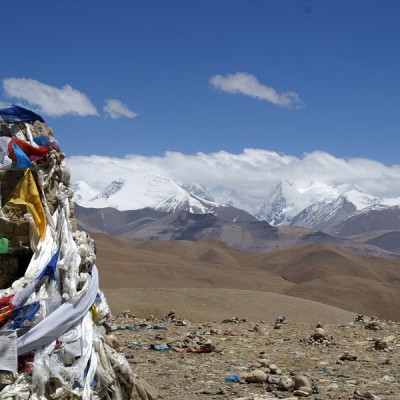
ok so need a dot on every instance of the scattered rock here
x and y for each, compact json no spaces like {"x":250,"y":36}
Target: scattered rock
{"x":380,"y":345}
{"x":348,"y":357}
{"x":360,"y":394}
{"x":267,"y":366}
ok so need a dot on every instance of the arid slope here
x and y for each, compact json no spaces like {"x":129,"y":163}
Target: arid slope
{"x":317,"y":272}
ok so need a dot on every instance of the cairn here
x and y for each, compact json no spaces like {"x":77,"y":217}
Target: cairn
{"x":319,"y":337}
{"x":54,"y":341}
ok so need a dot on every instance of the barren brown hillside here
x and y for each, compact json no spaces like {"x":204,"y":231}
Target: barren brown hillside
{"x":318,"y":272}
{"x":319,"y":258}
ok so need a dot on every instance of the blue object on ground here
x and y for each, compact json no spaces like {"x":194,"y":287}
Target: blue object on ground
{"x":159,"y":347}
{"x":232,"y":378}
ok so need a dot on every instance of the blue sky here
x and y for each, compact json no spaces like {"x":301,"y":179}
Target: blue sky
{"x":291,"y":77}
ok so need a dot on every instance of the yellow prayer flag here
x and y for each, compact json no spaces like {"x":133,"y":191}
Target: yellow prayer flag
{"x":26,"y":192}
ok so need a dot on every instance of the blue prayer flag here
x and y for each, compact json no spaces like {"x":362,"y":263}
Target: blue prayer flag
{"x":19,"y":114}
{"x":50,"y":268}
{"x":23,"y":161}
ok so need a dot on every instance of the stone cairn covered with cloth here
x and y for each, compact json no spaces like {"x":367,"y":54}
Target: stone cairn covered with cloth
{"x":53,"y":317}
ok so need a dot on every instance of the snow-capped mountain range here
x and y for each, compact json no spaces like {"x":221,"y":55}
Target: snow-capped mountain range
{"x":314,"y":205}
{"x":151,"y":190}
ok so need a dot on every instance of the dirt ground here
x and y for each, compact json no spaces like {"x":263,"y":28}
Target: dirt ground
{"x":191,"y":358}
{"x":209,"y":304}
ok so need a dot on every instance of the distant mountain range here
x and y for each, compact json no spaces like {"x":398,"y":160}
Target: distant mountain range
{"x":245,"y":234}
{"x":316,"y":205}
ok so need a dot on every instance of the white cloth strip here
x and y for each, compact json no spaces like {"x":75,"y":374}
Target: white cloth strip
{"x":8,"y":351}
{"x":58,"y":322}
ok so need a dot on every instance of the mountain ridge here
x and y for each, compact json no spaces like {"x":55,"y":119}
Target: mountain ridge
{"x":248,"y":235}
{"x":314,"y":204}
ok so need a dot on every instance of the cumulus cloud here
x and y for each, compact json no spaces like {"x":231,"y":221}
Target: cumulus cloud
{"x":4,"y":104}
{"x":248,"y":84}
{"x":116,"y":109}
{"x":246,"y":178}
{"x":49,"y":100}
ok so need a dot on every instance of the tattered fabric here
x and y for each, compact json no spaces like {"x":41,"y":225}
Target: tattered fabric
{"x":32,"y":152}
{"x":26,"y":193}
{"x":18,"y":114}
{"x":5,"y":160}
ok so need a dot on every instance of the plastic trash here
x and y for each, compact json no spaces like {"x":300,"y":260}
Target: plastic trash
{"x":159,"y":347}
{"x":232,"y":378}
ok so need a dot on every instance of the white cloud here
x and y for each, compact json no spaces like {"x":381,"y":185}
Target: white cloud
{"x":116,"y":109}
{"x":244,"y":178}
{"x":49,"y":100}
{"x":248,"y":84}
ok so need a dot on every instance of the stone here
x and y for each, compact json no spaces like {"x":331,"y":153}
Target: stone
{"x":300,"y":393}
{"x":360,"y":394}
{"x":286,"y":383}
{"x":333,"y":386}
{"x":243,"y":377}
{"x":380,"y":345}
{"x":319,"y":333}
{"x":348,"y":357}
{"x":256,"y":376}
{"x":263,"y":362}
{"x":373,"y":325}
{"x":301,"y":380}
{"x":305,"y":389}
{"x":387,"y":378}
{"x":274,"y":379}
{"x":210,"y":391}
{"x":273,"y":368}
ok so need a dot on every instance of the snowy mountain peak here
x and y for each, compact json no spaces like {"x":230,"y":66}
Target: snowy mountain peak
{"x":322,"y":215}
{"x":361,"y":199}
{"x":189,"y":198}
{"x":111,"y":189}
{"x":274,"y":209}
{"x":198,"y":190}
{"x":83,"y":192}
{"x":297,"y":201}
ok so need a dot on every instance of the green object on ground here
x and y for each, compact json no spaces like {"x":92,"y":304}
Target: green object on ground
{"x":3,"y":245}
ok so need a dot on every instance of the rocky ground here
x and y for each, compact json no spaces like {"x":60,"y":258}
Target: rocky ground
{"x":253,"y":360}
